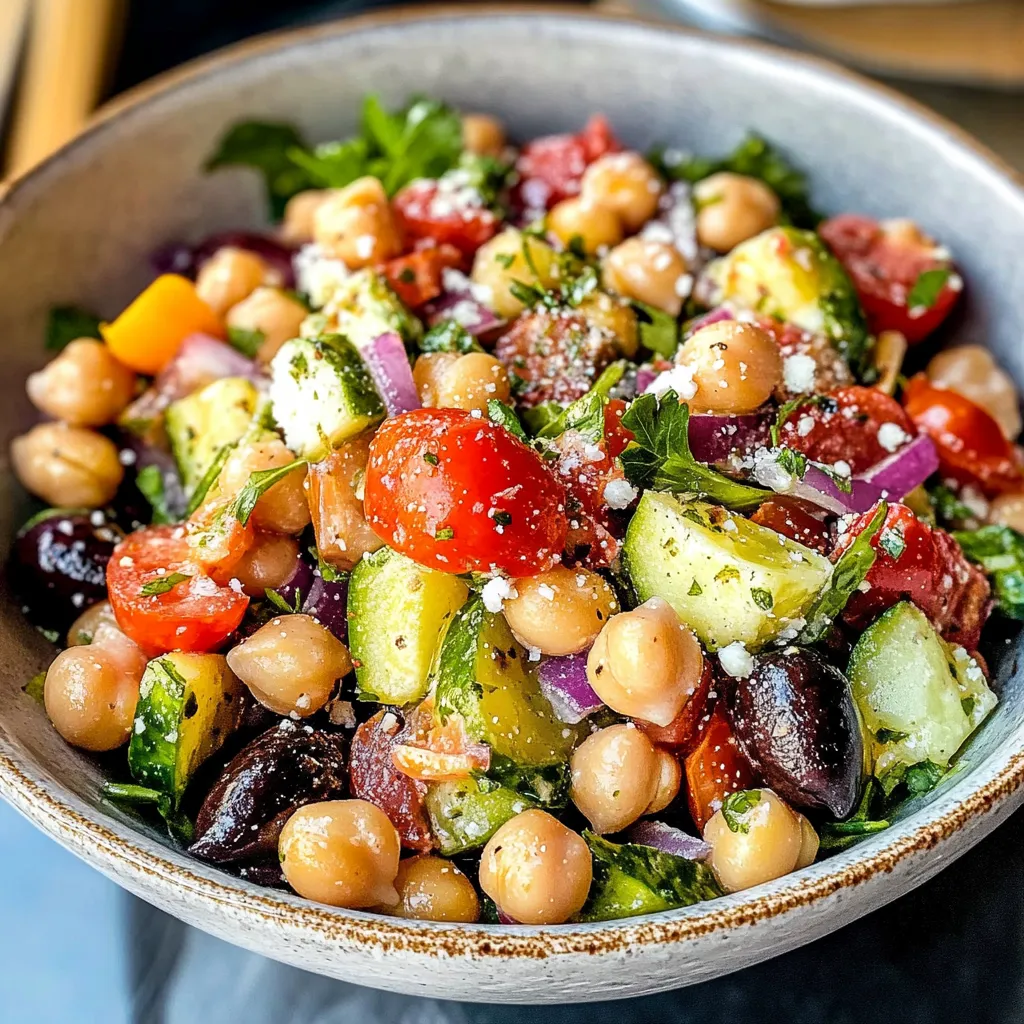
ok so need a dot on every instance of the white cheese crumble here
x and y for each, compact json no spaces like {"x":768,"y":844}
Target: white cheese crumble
{"x":798,"y":373}
{"x":679,"y":379}
{"x":736,"y":660}
{"x":496,"y":592}
{"x":318,"y":274}
{"x":892,"y":436}
{"x":619,"y":494}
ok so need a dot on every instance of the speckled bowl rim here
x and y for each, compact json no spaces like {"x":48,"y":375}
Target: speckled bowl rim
{"x":976,"y":803}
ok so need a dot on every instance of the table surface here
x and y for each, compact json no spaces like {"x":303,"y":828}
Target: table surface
{"x":74,"y":948}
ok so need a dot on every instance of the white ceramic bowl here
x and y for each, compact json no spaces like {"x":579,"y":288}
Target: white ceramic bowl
{"x":78,"y":230}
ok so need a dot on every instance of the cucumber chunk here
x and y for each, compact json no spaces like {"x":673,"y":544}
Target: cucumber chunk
{"x":321,"y":394}
{"x":727,"y":578}
{"x":464,"y":815}
{"x":919,"y":696}
{"x":188,"y":706}
{"x":203,"y":422}
{"x":397,"y":613}
{"x":363,"y":307}
{"x":483,"y":675}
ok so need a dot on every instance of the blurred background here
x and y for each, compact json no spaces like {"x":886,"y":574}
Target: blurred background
{"x":74,"y":948}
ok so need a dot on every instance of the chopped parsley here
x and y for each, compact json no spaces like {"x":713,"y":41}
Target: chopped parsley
{"x":505,"y":417}
{"x":445,"y":533}
{"x":736,"y":806}
{"x":247,"y":342}
{"x":163,"y":584}
{"x":257,"y":485}
{"x":430,"y":458}
{"x":67,"y":324}
{"x":999,"y":550}
{"x":927,"y":288}
{"x":659,"y":331}
{"x":762,"y":598}
{"x":150,"y":482}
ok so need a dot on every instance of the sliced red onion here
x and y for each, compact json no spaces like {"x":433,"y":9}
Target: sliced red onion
{"x":668,"y":839}
{"x":819,"y":488}
{"x":503,"y":918}
{"x":465,"y":310}
{"x":179,"y":258}
{"x":389,"y":367}
{"x":714,"y":438}
{"x":714,"y":317}
{"x":645,"y":377}
{"x":905,"y":469}
{"x":563,"y":681}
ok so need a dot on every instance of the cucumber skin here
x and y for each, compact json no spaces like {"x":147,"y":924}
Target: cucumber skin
{"x":391,"y":598}
{"x":452,"y":806}
{"x":614,"y":895}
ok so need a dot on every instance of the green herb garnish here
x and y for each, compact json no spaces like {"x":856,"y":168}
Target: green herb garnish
{"x":736,"y":806}
{"x":68,"y":323}
{"x":257,"y":485}
{"x":163,"y":584}
{"x":927,"y":288}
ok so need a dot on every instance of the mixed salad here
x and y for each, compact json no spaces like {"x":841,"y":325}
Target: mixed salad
{"x":524,"y":534}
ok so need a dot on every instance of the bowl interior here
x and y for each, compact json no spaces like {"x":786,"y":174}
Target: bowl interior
{"x":80,"y":228}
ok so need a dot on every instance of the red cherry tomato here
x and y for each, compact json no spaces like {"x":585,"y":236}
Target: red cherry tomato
{"x":684,"y":731}
{"x":458,"y":493}
{"x":426,"y":212}
{"x":217,"y":540}
{"x":550,"y":168}
{"x":715,"y":768}
{"x":193,"y":615}
{"x":418,"y":277}
{"x":970,"y":443}
{"x":795,"y":519}
{"x":885,"y":266}
{"x":922,"y":564}
{"x":848,"y":430}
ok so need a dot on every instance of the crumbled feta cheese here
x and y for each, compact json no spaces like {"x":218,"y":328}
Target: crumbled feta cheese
{"x":892,"y":436}
{"x":679,"y":379}
{"x":768,"y":473}
{"x":805,"y":425}
{"x":798,"y":373}
{"x":619,"y":494}
{"x":736,"y":660}
{"x":317,"y":274}
{"x":496,"y":592}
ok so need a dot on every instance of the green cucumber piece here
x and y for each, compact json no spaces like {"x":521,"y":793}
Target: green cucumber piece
{"x":614,"y":894}
{"x":727,"y":578}
{"x":363,"y":307}
{"x":397,"y":614}
{"x":188,"y":706}
{"x":920,"y":697}
{"x":464,"y":815}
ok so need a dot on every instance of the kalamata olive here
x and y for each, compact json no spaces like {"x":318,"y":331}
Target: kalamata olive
{"x":374,"y":777}
{"x":795,"y":719}
{"x":59,"y":564}
{"x":287,"y":767}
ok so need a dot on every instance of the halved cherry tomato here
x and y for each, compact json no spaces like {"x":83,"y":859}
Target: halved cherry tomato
{"x":884,"y":266}
{"x":374,"y":777}
{"x":418,"y":277}
{"x":970,"y":443}
{"x":217,"y":540}
{"x":550,"y":168}
{"x":795,"y":519}
{"x":848,"y":429}
{"x":458,"y":493}
{"x":922,"y":564}
{"x":425,"y":211}
{"x":616,"y":436}
{"x":715,"y":768}
{"x":684,"y":731}
{"x":195,"y":614}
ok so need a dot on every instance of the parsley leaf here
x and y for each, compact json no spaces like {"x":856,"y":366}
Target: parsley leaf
{"x":927,"y":288}
{"x":756,"y":158}
{"x":948,"y":507}
{"x":659,"y":457}
{"x":787,"y":409}
{"x":540,"y":417}
{"x":68,"y":323}
{"x":449,"y":336}
{"x":209,"y":478}
{"x":735,"y":807}
{"x":659,"y":331}
{"x":762,"y":598}
{"x":162,"y":584}
{"x":505,"y":417}
{"x":586,"y":414}
{"x":847,"y":575}
{"x":257,"y":485}
{"x":178,"y":824}
{"x":247,"y":342}
{"x":281,"y":604}
{"x":999,"y":550}
{"x":150,"y":482}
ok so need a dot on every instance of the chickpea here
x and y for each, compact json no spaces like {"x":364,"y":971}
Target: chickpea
{"x":1008,"y":510}
{"x":970,"y":370}
{"x":767,"y":844}
{"x":625,"y":183}
{"x":560,"y":611}
{"x":809,"y":843}
{"x":291,"y":664}
{"x":613,"y":314}
{"x":501,"y":261}
{"x":482,"y":134}
{"x":670,"y":779}
{"x":616,"y":775}
{"x":597,"y":227}
{"x":651,"y":272}
{"x":356,"y":224}
{"x":341,"y":852}
{"x":67,"y":466}
{"x":536,"y":870}
{"x":732,"y":208}
{"x":428,"y":373}
{"x":83,"y":629}
{"x":268,"y":564}
{"x":646,"y":663}
{"x":84,"y":386}
{"x":282,"y":508}
{"x":300,"y":216}
{"x":228,"y":276}
{"x":91,"y":691}
{"x":736,"y":366}
{"x":434,"y":889}
{"x":273,"y":314}
{"x":335,"y":498}
{"x":471,"y":381}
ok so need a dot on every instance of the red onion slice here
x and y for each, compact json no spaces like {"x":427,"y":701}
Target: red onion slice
{"x":905,"y":469}
{"x":563,"y":681}
{"x":714,"y":438}
{"x":668,"y":839}
{"x":389,"y":367}
{"x":503,"y":918}
{"x":714,"y":317}
{"x":465,"y":310}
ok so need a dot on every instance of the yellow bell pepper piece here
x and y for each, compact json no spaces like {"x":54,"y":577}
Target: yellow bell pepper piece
{"x":148,"y":334}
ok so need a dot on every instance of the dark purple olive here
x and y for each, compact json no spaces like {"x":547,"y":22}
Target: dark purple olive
{"x":327,"y":602}
{"x":59,"y":564}
{"x":795,"y":719}
{"x":287,"y":767}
